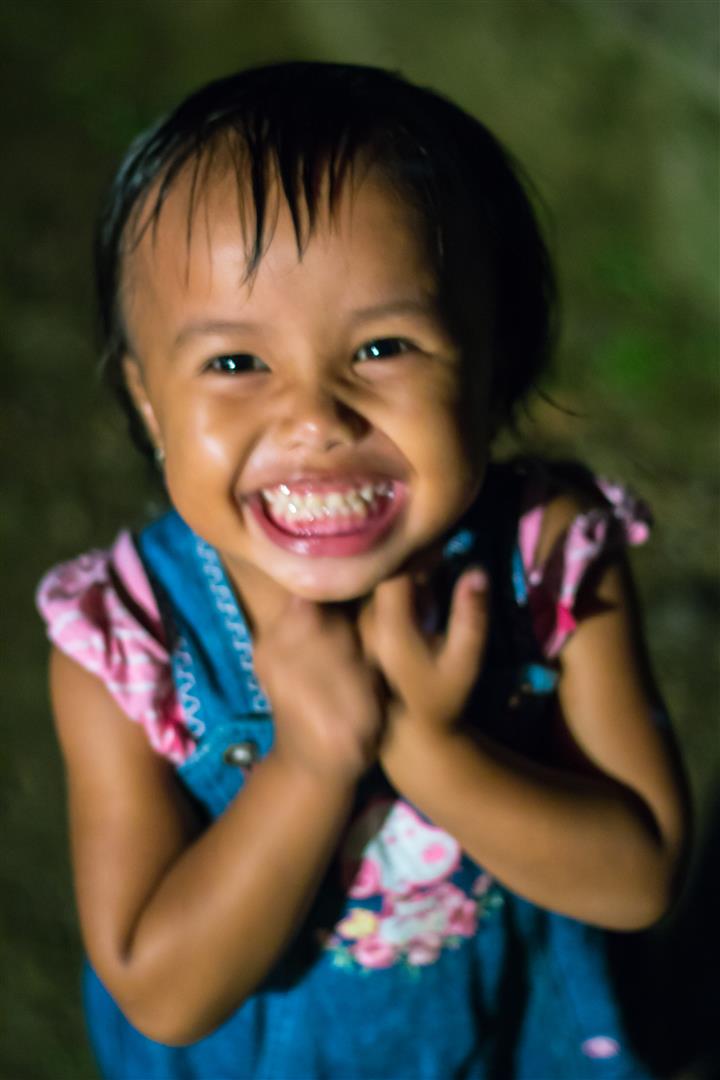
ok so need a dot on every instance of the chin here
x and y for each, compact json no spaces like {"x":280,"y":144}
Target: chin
{"x":334,"y":587}
{"x":321,"y":593}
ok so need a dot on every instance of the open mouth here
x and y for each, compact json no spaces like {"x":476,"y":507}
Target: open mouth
{"x":313,"y":517}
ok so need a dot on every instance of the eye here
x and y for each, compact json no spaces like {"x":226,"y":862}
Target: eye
{"x":383,"y":349}
{"x":236,"y":364}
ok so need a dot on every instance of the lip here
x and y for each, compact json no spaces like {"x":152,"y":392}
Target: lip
{"x":358,"y":539}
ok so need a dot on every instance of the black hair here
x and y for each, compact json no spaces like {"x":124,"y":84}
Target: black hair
{"x":307,"y":122}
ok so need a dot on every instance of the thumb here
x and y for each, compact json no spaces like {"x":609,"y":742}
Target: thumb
{"x":462,"y":653}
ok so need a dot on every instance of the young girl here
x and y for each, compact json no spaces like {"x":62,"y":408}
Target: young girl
{"x":396,"y":758}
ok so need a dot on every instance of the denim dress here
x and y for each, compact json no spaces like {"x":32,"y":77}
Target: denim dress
{"x":413,"y":962}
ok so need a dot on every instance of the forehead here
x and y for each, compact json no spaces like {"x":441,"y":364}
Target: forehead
{"x":201,"y":239}
{"x":219,"y":190}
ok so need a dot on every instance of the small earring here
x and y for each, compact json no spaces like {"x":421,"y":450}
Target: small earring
{"x":159,"y":456}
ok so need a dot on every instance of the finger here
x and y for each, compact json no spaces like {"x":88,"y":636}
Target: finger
{"x":461,"y":655}
{"x":395,"y":631}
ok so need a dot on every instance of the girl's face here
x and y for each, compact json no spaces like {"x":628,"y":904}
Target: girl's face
{"x":319,"y":425}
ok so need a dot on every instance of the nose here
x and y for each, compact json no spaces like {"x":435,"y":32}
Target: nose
{"x":316,"y":419}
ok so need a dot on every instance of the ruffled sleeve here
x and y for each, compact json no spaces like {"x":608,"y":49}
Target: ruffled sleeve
{"x":555,"y":587}
{"x":100,"y":610}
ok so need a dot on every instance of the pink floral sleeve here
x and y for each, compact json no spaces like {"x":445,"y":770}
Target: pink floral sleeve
{"x":100,"y":610}
{"x":553,"y":588}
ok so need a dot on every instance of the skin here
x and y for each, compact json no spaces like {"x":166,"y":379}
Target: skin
{"x":183,"y":924}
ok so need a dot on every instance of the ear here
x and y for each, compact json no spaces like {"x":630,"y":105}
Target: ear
{"x":135,"y":383}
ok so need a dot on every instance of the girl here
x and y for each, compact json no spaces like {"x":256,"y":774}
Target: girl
{"x":396,"y":755}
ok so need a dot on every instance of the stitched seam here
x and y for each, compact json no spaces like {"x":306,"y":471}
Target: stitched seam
{"x":186,"y":682}
{"x":232,"y":619}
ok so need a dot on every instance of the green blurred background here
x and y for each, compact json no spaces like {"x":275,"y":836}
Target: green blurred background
{"x":613,"y":108}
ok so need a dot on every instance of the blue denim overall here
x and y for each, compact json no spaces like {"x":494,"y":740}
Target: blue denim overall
{"x":526,"y":996}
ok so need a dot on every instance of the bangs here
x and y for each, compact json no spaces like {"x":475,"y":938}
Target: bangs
{"x":267,"y":167}
{"x":277,"y":127}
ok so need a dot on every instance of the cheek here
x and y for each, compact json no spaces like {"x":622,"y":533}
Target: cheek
{"x":457,"y":398}
{"x":453,"y":435}
{"x":208,"y":431}
{"x":207,"y":441}
{"x":449,"y":469}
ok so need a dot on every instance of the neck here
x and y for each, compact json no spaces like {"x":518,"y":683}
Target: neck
{"x":261,"y":598}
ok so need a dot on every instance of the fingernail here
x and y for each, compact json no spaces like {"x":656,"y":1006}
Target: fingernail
{"x":477,"y":579}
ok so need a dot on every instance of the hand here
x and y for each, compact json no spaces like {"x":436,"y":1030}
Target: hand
{"x":429,"y":677}
{"x":327,"y":697}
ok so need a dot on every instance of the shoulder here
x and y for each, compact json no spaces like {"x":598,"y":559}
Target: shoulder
{"x":100,"y":606}
{"x":572,"y":526}
{"x":102,"y":617}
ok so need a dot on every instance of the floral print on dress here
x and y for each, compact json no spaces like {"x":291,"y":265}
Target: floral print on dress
{"x":398,"y":866}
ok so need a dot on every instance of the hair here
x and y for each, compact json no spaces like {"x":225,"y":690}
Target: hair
{"x":308,"y":124}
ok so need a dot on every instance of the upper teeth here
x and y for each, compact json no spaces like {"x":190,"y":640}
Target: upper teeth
{"x":306,"y":507}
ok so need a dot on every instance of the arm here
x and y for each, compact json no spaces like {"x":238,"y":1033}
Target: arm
{"x":182,"y":925}
{"x":598,"y":840}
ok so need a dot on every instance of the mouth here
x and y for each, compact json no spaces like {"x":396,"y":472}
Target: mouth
{"x":328,"y":517}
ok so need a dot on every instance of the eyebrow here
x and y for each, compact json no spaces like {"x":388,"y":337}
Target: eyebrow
{"x":426,"y":307}
{"x":205,"y":327}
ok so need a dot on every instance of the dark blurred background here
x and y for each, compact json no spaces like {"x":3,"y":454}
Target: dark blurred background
{"x":612,"y":106}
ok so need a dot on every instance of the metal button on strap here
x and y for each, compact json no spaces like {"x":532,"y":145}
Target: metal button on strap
{"x":242,"y":754}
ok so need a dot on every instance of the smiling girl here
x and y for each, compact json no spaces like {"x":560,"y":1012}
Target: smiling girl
{"x":396,"y":760}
